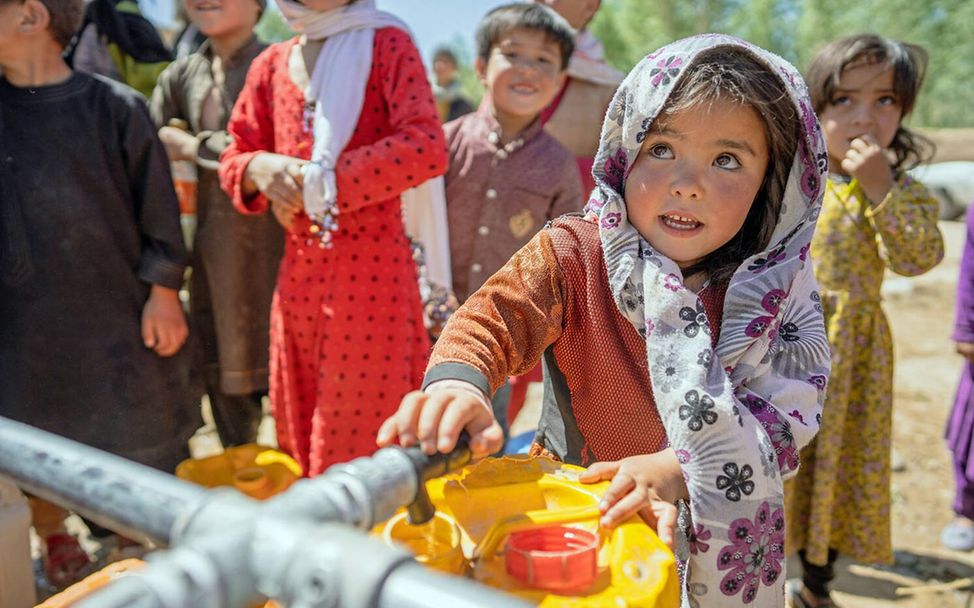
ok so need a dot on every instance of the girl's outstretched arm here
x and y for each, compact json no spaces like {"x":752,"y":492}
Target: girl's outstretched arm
{"x":434,"y":418}
{"x":501,"y":330}
{"x":504,"y":328}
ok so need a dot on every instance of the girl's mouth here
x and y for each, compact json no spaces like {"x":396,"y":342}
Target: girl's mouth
{"x":679,"y":222}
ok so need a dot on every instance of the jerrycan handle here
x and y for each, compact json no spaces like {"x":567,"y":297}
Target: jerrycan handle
{"x":429,"y":466}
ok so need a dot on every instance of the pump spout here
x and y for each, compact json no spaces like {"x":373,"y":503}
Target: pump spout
{"x":421,"y":510}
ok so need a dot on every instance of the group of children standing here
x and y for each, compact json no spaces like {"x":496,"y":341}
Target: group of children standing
{"x":687,"y":344}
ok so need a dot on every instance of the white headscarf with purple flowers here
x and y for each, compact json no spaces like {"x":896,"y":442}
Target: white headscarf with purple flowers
{"x":739,"y":413}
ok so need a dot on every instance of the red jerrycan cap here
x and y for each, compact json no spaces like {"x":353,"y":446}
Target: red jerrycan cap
{"x":556,"y":558}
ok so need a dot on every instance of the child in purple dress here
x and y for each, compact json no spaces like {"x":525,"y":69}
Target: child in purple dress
{"x":959,"y":534}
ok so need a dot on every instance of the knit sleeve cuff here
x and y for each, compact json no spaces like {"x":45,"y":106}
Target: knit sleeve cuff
{"x":457,"y":371}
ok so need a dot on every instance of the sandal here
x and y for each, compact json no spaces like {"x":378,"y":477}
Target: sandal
{"x":793,"y":591}
{"x":958,"y":535}
{"x":65,"y":562}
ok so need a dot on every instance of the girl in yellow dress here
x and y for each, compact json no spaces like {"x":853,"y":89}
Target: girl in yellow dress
{"x":874,"y":217}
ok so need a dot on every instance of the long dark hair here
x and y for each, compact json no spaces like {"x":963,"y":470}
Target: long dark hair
{"x":735,"y":75}
{"x":909,"y":65}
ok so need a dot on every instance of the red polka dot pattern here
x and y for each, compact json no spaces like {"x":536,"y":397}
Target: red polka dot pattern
{"x":347,"y":337}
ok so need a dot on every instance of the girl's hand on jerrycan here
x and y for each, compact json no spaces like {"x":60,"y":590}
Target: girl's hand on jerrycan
{"x":648,"y":484}
{"x":435,"y":419}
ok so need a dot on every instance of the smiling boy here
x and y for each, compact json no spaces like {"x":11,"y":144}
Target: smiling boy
{"x":507,"y":176}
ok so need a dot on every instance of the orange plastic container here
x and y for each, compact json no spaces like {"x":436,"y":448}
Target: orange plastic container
{"x":94,"y":581}
{"x":258,"y":471}
{"x":436,"y":544}
{"x":99,"y":579}
{"x":185,"y":192}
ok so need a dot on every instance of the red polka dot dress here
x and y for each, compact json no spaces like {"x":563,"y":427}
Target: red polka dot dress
{"x":347,"y":335}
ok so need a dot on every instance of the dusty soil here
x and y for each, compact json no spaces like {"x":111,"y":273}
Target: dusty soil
{"x":952,"y":144}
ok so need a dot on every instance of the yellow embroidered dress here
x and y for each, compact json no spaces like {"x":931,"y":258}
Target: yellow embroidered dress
{"x":840,"y":497}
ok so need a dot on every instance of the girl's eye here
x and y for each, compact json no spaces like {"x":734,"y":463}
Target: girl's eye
{"x":887,"y":100}
{"x":660,"y":151}
{"x":727,"y":161}
{"x":841,"y":100}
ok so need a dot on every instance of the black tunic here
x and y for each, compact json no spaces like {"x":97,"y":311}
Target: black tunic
{"x":88,"y":221}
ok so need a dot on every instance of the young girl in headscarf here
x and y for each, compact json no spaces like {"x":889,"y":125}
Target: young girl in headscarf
{"x":347,"y":338}
{"x":874,"y":217}
{"x":678,"y":320}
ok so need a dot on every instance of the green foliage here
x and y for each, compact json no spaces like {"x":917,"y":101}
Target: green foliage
{"x":473,"y":90}
{"x":797,"y":29}
{"x":272,"y":27}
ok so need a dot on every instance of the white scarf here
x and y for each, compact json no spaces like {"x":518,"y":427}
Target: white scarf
{"x":338,"y":86}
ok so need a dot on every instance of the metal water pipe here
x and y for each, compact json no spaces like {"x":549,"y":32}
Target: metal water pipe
{"x":305,"y":548}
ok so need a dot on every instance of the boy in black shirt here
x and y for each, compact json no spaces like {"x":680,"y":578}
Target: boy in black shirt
{"x":91,"y":260}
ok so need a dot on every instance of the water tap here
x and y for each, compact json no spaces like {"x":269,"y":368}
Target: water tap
{"x":427,"y":467}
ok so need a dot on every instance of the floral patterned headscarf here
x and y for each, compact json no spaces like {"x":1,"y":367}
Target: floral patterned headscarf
{"x":738,"y":413}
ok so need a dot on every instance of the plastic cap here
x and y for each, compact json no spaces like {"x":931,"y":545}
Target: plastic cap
{"x":557,"y":558}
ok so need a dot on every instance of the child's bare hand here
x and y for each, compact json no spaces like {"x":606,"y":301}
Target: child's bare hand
{"x":866,"y":161}
{"x":179,"y":144}
{"x":648,"y":485}
{"x":164,"y":327}
{"x":284,"y":214}
{"x":436,"y":419}
{"x":966,"y":350}
{"x":279,"y":178}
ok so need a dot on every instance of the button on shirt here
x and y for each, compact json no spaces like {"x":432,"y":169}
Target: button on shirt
{"x":499,"y":196}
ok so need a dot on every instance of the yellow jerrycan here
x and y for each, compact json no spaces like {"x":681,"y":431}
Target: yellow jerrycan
{"x":528,"y":526}
{"x":258,"y":471}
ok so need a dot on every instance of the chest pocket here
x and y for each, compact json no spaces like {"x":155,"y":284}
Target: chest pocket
{"x":526,"y":211}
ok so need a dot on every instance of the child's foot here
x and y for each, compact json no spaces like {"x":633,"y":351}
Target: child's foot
{"x":65,"y":562}
{"x":800,"y":597}
{"x":958,"y":535}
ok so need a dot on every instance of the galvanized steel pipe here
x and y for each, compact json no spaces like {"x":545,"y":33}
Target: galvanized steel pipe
{"x":228,"y":548}
{"x":122,"y":495}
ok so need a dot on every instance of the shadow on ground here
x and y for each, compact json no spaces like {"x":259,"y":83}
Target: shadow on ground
{"x":920,"y":577}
